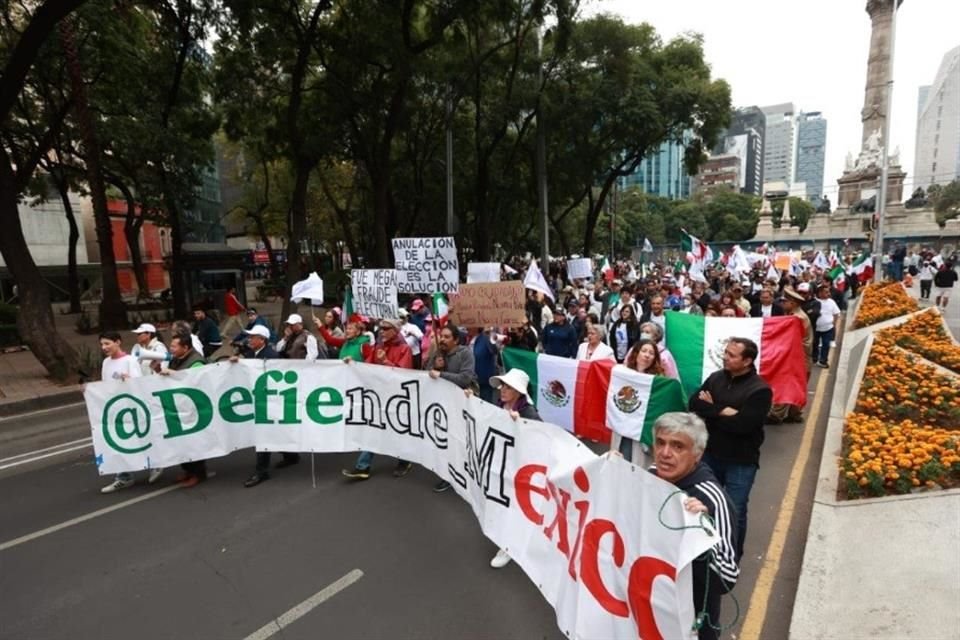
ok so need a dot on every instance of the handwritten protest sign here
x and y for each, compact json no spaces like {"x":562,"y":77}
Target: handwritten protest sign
{"x":483,"y":272}
{"x":489,"y":304}
{"x":375,"y":292}
{"x":426,"y":265}
{"x":581,"y":268}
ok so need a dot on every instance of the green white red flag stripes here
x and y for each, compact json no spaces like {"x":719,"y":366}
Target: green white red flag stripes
{"x":863,"y":267}
{"x":697,"y":344}
{"x":693,"y":245}
{"x":635,"y":400}
{"x":589,"y":399}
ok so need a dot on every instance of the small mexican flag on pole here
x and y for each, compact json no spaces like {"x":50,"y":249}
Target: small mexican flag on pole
{"x":440,"y":309}
{"x":606,"y":270}
{"x":693,"y":245}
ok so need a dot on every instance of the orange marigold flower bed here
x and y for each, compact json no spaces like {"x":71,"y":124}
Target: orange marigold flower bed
{"x":925,"y":335}
{"x":884,"y":458}
{"x":881,"y":302}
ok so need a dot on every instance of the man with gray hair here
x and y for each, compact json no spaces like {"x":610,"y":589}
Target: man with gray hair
{"x":679,"y":440}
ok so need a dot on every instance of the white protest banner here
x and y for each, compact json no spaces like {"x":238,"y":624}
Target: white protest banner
{"x":483,"y":272}
{"x":579,"y":269}
{"x":426,"y":265}
{"x":489,"y":304}
{"x":591,"y":532}
{"x":374,"y":292}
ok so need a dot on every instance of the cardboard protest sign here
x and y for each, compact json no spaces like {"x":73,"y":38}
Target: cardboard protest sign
{"x":581,"y":268}
{"x":483,"y":272}
{"x":782,"y":261}
{"x":426,"y":265}
{"x":375,"y":292}
{"x":489,"y":304}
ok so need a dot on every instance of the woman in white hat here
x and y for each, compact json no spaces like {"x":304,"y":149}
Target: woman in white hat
{"x":513,"y":387}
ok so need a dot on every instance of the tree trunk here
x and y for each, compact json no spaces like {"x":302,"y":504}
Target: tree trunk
{"x":132,"y":223}
{"x":73,"y":276}
{"x":297,"y":228}
{"x":113,"y":312}
{"x":593,"y":214}
{"x":35,"y":321}
{"x":177,"y":290}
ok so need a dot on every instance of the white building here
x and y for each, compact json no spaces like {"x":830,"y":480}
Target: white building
{"x":778,"y":143}
{"x":938,"y":126}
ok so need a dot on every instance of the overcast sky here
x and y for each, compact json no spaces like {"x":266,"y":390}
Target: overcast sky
{"x":813,"y":54}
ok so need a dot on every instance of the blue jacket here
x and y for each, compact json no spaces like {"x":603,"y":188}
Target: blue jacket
{"x":484,"y":359}
{"x":560,"y":340}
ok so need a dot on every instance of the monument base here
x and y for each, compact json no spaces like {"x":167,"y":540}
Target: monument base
{"x":858,"y":186}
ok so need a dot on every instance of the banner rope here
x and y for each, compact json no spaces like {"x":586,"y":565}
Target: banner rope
{"x":703,"y":617}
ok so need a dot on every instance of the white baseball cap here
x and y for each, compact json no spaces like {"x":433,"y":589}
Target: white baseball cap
{"x":295,"y":319}
{"x":803,"y":287}
{"x":146,"y":327}
{"x":258,"y":330}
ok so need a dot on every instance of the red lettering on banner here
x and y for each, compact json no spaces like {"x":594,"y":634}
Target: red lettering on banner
{"x":642,"y":574}
{"x":586,"y":548}
{"x":523,"y":486}
{"x":590,"y":565}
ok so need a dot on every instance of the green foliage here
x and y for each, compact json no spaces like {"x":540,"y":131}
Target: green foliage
{"x":945,"y":200}
{"x":800,"y":212}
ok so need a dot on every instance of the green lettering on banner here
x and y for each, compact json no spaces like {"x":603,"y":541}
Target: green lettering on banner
{"x":261,"y":392}
{"x":228,"y":405}
{"x":290,"y":400}
{"x":201,"y":403}
{"x":323,"y":397}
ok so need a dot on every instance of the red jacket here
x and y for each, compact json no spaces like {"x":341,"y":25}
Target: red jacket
{"x":398,"y":354}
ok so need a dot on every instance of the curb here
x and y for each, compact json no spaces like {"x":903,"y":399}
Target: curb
{"x":49,"y":401}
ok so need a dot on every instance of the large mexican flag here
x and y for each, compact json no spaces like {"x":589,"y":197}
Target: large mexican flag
{"x":697,"y":344}
{"x":589,"y":399}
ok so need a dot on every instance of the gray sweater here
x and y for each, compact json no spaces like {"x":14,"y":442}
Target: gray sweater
{"x":459,"y":366}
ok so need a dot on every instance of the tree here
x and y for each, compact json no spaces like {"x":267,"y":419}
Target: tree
{"x":730,"y":215}
{"x":20,"y":44}
{"x":624,"y":92}
{"x":800,"y":212}
{"x":946,"y":201}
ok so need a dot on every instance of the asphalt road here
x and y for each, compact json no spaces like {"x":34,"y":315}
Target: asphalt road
{"x":222,"y":561}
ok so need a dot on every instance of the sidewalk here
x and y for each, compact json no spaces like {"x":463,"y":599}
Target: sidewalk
{"x":879,"y":568}
{"x":25,"y":386}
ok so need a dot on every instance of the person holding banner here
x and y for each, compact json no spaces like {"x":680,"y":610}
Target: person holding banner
{"x":391,"y":351}
{"x":594,"y":347}
{"x":118,"y":365}
{"x":297,"y":344}
{"x":679,"y":442}
{"x":453,"y":363}
{"x":353,"y":345}
{"x":186,"y":357}
{"x":513,"y":386}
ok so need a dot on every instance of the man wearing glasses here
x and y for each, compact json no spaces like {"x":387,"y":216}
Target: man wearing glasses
{"x":391,"y":350}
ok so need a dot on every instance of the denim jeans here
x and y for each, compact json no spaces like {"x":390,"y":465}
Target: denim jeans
{"x":737,"y":480}
{"x":365,"y":459}
{"x":821,"y":345}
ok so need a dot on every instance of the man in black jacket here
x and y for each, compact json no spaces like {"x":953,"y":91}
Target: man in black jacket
{"x":766,"y":306}
{"x":679,"y":440}
{"x":734,"y":403}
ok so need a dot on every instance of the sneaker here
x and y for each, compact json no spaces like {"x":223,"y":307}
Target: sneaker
{"x":116,"y":485}
{"x":500,"y":560}
{"x":402,"y":469}
{"x":255,"y":479}
{"x":357,"y":474}
{"x":190,"y":481}
{"x":441,"y":486}
{"x":154,"y":475}
{"x":823,"y":365}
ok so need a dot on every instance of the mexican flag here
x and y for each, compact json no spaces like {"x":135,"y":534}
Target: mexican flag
{"x":863,"y":267}
{"x":440,"y":309}
{"x":697,"y":344}
{"x":606,"y":270}
{"x":589,"y":398}
{"x":838,"y":276}
{"x":693,"y":245}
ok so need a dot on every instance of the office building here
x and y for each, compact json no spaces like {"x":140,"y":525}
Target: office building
{"x":744,"y":138}
{"x":720,"y":170}
{"x":937,"y":159}
{"x":663,"y":173}
{"x":811,"y":153}
{"x":778,"y":143}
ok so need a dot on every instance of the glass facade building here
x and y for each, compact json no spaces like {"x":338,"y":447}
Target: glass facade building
{"x":811,"y":152}
{"x":662,"y":173}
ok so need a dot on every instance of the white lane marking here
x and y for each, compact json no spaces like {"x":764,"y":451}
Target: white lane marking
{"x":21,"y":416}
{"x":45,"y":455}
{"x":84,"y":518}
{"x":84,"y":441}
{"x":294,"y":614}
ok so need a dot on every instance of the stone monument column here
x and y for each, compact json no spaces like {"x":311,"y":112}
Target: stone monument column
{"x":878,"y":70}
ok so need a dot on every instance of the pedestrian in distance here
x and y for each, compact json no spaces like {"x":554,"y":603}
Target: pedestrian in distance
{"x":207,"y":331}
